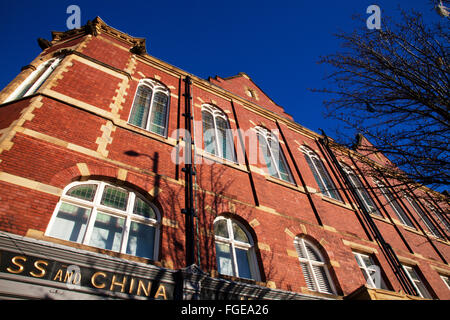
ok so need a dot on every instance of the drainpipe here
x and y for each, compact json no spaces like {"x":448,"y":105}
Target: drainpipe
{"x":189,"y":210}
{"x":388,"y":252}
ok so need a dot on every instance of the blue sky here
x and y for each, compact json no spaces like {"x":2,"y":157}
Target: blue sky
{"x":277,"y":43}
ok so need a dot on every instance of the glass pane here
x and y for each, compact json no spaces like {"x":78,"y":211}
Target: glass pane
{"x":400,"y":213}
{"x":85,"y":192}
{"x":223,"y":256}
{"x":423,"y":290}
{"x":225,"y":139}
{"x":107,"y":232}
{"x":367,"y":260}
{"x":279,"y":159}
{"x":358,"y":260}
{"x":141,"y":107}
{"x":315,"y":173}
{"x":425,"y":218}
{"x":238,"y":233}
{"x":221,"y":228}
{"x":159,"y":111}
{"x":141,"y":240}
{"x":209,"y":133}
{"x":412,"y":274}
{"x":70,"y":223}
{"x":143,"y":209}
{"x":242,"y":257}
{"x":115,"y":198}
{"x":362,"y":194}
{"x":444,"y":223}
{"x":330,"y":189}
{"x":267,"y":157}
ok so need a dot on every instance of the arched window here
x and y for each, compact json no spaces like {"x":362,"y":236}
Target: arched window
{"x":150,"y":107}
{"x":35,"y":80}
{"x":401,"y":214}
{"x":273,"y":155}
{"x":361,"y":192}
{"x":314,"y":267}
{"x":235,"y":252}
{"x":443,"y":221}
{"x":423,"y":216}
{"x":106,"y":216}
{"x":217,"y":135}
{"x":324,"y":181}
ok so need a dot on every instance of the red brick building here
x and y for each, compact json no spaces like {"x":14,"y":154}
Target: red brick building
{"x":92,"y":189}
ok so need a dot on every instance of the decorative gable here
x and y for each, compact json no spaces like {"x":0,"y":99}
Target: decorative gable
{"x":243,"y":86}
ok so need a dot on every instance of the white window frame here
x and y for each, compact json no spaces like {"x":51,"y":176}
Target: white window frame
{"x":267,"y":135}
{"x":217,"y":113}
{"x":443,"y":222}
{"x":250,"y":247}
{"x":422,"y":215}
{"x":95,"y":206}
{"x":358,"y":185}
{"x":447,"y":282}
{"x":311,"y":154}
{"x":409,"y":270}
{"x":300,"y":244}
{"x":155,"y":87}
{"x":50,"y":64}
{"x":369,"y":270}
{"x":393,"y":203}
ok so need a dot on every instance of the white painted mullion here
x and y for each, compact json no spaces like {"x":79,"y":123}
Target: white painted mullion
{"x":216,"y":138}
{"x":366,"y":270}
{"x":319,"y":174}
{"x":149,"y":117}
{"x":93,"y":216}
{"x":272,"y":157}
{"x":126,"y":231}
{"x":232,"y":248}
{"x":411,"y":279}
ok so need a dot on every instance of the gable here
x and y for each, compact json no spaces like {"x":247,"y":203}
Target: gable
{"x":366,"y":148}
{"x":244,"y":87}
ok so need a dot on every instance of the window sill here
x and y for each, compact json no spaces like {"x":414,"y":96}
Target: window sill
{"x":441,"y":240}
{"x":407,"y":228}
{"x":377,"y":217}
{"x":139,"y":130}
{"x":321,"y":294}
{"x":39,"y":235}
{"x":206,"y":155}
{"x":336,"y":202}
{"x":237,"y":279}
{"x":284,"y":183}
{"x":420,"y":233}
